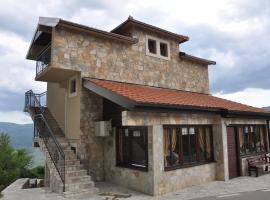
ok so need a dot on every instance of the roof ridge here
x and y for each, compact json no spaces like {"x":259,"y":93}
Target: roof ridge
{"x":146,"y":25}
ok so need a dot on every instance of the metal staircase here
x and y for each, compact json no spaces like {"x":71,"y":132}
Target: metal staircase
{"x":74,"y":180}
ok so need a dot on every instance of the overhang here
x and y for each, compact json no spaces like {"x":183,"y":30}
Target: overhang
{"x":140,"y":97}
{"x":132,"y":22}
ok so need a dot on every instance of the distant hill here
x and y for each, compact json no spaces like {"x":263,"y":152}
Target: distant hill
{"x":21,"y":136}
{"x":267,"y":108}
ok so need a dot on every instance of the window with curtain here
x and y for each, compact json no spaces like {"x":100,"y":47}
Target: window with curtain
{"x":252,"y":139}
{"x":187,"y":145}
{"x":132,"y":147}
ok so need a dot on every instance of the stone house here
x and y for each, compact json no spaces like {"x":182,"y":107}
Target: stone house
{"x":128,"y":107}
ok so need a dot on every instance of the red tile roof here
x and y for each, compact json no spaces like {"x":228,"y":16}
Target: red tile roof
{"x":162,"y":96}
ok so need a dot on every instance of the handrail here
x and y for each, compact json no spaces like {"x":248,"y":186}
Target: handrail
{"x":43,"y":130}
{"x":51,"y":132}
{"x":41,"y":63}
{"x":34,"y":100}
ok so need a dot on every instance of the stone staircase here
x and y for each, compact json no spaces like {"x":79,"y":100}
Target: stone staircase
{"x":77,"y":181}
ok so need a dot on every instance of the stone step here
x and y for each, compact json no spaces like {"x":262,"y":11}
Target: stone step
{"x":73,"y":167}
{"x":78,"y":179}
{"x":74,"y":173}
{"x":72,"y":162}
{"x":79,"y":186}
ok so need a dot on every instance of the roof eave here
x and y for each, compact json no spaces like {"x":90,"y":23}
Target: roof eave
{"x":132,"y":21}
{"x":196,"y":59}
{"x":110,"y":35}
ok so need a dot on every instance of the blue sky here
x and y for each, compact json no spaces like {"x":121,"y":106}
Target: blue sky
{"x":236,"y":34}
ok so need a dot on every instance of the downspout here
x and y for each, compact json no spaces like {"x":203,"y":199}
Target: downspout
{"x":268,"y":133}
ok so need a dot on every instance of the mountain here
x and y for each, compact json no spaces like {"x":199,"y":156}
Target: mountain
{"x":267,"y":108}
{"x":21,"y":136}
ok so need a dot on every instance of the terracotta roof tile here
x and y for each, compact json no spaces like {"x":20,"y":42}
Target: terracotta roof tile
{"x":163,"y":96}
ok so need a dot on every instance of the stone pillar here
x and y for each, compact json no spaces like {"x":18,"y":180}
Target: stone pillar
{"x":46,"y":175}
{"x":221,"y":150}
{"x":158,"y":161}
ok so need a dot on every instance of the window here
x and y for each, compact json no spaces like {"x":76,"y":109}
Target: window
{"x":132,"y":147}
{"x":252,"y":139}
{"x":163,"y":49}
{"x":72,"y":87}
{"x":157,"y":48}
{"x":187,"y":145}
{"x":152,"y":46}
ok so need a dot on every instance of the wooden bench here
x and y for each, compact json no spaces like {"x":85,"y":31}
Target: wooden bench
{"x":255,"y":164}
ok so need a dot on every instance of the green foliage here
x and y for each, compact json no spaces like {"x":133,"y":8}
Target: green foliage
{"x":15,"y":164}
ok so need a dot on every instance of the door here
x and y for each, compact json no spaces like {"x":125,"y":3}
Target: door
{"x":232,"y":153}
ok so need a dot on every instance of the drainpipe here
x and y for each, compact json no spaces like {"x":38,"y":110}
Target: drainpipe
{"x":268,"y":133}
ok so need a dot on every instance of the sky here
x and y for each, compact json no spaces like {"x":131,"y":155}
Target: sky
{"x":236,"y":34}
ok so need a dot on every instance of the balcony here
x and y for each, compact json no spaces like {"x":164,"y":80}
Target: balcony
{"x":46,"y":71}
{"x":43,"y":60}
{"x":35,"y":100}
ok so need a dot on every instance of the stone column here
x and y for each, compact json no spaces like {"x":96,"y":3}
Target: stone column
{"x":158,"y":166}
{"x":221,"y":150}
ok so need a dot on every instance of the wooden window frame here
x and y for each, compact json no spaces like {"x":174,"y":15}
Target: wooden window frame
{"x":127,"y":163}
{"x":255,"y":127}
{"x":181,"y":163}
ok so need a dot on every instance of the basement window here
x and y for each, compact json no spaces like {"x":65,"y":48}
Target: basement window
{"x":157,"y":48}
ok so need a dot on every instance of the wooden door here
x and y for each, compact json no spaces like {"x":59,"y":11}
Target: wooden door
{"x":232,"y":153}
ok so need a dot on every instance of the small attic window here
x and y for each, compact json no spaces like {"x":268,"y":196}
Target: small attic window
{"x":163,"y":49}
{"x":152,"y":46}
{"x":157,"y":48}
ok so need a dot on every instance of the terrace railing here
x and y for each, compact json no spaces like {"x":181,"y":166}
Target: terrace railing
{"x":43,"y":59}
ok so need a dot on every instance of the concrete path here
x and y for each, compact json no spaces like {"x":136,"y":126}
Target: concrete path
{"x":214,"y":190}
{"x":258,"y":195}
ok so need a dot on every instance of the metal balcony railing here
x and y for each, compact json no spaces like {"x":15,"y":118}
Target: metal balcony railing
{"x":43,"y":59}
{"x":35,"y":100}
{"x":42,"y":130}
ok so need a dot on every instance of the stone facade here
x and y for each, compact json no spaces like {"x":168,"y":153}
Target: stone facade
{"x":90,"y":147}
{"x":105,"y":59}
{"x":96,"y":57}
{"x":129,"y":177}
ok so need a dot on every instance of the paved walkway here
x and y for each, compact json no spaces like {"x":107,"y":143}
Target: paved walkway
{"x":112,"y":192}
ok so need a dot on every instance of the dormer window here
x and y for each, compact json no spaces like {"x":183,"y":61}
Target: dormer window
{"x":157,"y":48}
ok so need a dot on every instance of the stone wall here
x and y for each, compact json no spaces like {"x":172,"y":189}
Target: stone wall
{"x":106,"y":59}
{"x":138,"y":180}
{"x":175,"y":180}
{"x":90,"y":147}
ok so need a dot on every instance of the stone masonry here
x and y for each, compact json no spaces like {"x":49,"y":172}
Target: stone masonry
{"x":90,"y":147}
{"x":105,"y":59}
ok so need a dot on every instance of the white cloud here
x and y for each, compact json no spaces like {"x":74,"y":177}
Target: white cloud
{"x":15,"y":117}
{"x":251,"y":96}
{"x":16,"y":73}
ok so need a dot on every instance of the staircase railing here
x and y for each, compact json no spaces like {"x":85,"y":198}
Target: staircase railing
{"x":42,"y":130}
{"x":38,"y":101}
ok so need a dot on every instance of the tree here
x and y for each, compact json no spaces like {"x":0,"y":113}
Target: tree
{"x":15,"y":163}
